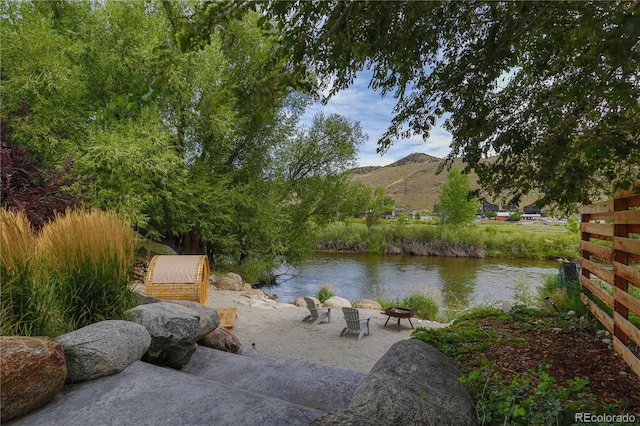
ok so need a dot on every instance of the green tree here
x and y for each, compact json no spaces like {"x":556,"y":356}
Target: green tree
{"x":380,"y":204}
{"x":550,"y":88}
{"x":456,"y":206}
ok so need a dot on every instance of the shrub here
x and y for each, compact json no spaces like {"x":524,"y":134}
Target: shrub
{"x":522,"y":401}
{"x":324,"y":293}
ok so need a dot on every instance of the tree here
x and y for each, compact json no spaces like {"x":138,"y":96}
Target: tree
{"x":380,"y":204}
{"x":455,"y":205}
{"x":549,"y":88}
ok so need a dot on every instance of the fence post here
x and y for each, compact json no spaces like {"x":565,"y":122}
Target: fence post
{"x":620,"y":256}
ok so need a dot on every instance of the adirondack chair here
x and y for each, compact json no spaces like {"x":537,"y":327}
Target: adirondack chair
{"x":316,"y":313}
{"x":355,"y":324}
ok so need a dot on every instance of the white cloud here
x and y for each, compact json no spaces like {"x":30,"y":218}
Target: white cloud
{"x":360,"y":103}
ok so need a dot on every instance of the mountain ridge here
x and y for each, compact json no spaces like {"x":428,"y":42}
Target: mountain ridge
{"x":413,"y":183}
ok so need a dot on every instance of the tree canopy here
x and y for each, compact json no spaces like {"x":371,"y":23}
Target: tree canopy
{"x":549,"y":90}
{"x":180,"y":119}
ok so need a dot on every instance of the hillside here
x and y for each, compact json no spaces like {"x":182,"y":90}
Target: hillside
{"x":413,"y":183}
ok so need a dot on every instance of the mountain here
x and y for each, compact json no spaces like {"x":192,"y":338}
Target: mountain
{"x":413,"y":183}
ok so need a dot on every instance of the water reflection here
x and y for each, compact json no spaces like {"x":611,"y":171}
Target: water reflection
{"x":458,"y":277}
{"x":459,"y":282}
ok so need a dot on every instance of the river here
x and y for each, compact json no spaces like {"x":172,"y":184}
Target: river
{"x":453,"y":282}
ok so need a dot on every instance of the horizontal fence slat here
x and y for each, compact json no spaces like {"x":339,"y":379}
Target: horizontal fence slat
{"x":627,"y":327}
{"x":601,"y":207}
{"x":602,"y":316}
{"x":627,"y":300}
{"x":625,"y":217}
{"x":602,"y":252}
{"x":627,"y":355}
{"x":597,"y":216}
{"x":597,"y":229}
{"x":628,"y":273}
{"x":633,"y":201}
{"x":597,"y":291}
{"x":597,"y":270}
{"x":628,"y":245}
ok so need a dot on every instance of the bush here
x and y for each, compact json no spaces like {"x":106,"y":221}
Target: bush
{"x":324,"y":293}
{"x":531,"y":398}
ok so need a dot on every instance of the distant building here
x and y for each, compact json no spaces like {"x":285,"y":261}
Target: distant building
{"x":503,"y":216}
{"x":489,"y":207}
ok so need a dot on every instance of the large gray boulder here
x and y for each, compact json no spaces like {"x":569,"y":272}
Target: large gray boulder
{"x":173,"y":329}
{"x":32,"y":372}
{"x":103,"y":348}
{"x":209,"y":318}
{"x":412,"y":384}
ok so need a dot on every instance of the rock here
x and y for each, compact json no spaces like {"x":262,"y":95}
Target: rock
{"x":246,"y":287}
{"x":509,"y":304}
{"x":32,"y":371}
{"x":103,"y":348}
{"x":209,"y":318}
{"x":336,"y":302}
{"x":412,"y":384}
{"x":143,"y":299}
{"x":367,"y":304}
{"x":229,"y":283}
{"x":221,"y":339}
{"x":173,"y":329}
{"x":301,"y":303}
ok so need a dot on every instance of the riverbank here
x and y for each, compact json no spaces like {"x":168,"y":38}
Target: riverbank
{"x":483,"y":239}
{"x":265,"y":325}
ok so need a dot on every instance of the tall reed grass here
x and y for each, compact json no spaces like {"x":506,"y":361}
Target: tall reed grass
{"x":73,"y":273}
{"x":88,"y":257}
{"x":25,"y":302}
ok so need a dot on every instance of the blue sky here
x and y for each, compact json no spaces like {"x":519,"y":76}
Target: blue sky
{"x":360,"y":103}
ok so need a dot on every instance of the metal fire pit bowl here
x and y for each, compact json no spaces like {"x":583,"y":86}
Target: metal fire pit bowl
{"x":398,"y":313}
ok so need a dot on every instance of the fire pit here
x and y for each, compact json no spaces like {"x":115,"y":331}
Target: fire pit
{"x":398,"y":313}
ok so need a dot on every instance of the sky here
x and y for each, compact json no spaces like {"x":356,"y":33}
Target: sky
{"x":360,"y":103}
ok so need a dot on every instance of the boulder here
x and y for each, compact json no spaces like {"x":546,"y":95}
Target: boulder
{"x":336,"y":302}
{"x":301,"y":303}
{"x":221,"y":339}
{"x":367,"y":304}
{"x":173,"y":329}
{"x":227,"y":282}
{"x":209,"y":318}
{"x":143,"y":299}
{"x":412,"y":384}
{"x":32,"y":371}
{"x":509,"y":304}
{"x":103,"y":348}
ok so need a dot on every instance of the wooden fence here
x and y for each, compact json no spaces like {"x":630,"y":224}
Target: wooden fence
{"x":610,"y":246}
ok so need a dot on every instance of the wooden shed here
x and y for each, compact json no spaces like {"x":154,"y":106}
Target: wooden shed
{"x":178,"y":278}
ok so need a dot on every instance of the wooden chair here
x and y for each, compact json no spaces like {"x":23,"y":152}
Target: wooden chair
{"x":316,"y":313}
{"x":355,"y":324}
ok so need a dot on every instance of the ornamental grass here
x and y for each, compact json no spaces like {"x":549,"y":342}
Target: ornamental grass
{"x":73,"y":273}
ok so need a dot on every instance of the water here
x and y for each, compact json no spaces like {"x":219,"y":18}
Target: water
{"x":453,"y":282}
